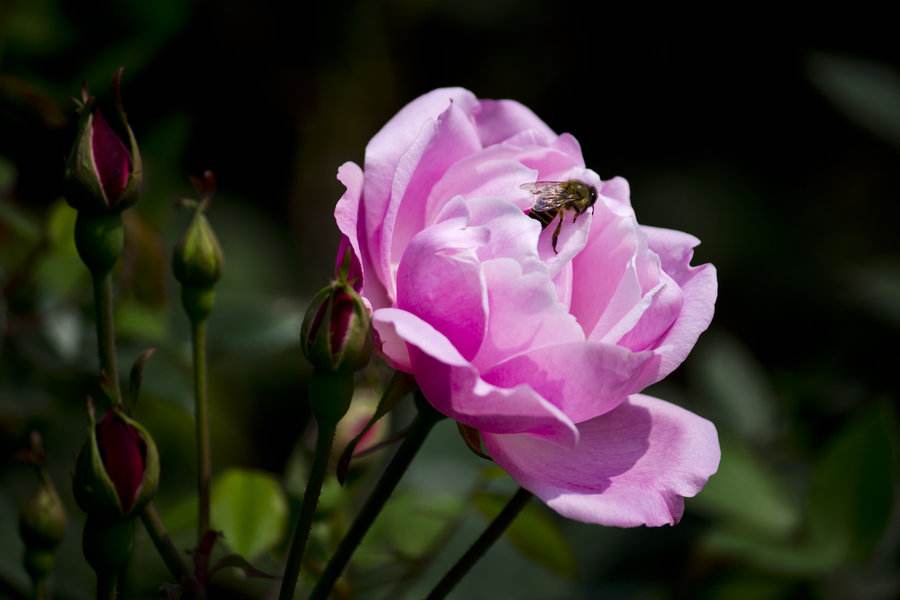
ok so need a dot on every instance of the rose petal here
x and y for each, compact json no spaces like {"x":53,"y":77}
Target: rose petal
{"x":583,"y":379}
{"x":385,"y":151}
{"x":699,"y":289}
{"x":499,"y":120}
{"x":524,"y":313}
{"x":440,"y":281}
{"x":440,"y":144}
{"x":632,"y":466}
{"x":452,"y":385}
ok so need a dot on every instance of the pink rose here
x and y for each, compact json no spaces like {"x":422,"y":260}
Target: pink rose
{"x":542,"y":352}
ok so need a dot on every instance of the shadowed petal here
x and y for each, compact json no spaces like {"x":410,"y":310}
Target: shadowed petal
{"x":633,"y":466}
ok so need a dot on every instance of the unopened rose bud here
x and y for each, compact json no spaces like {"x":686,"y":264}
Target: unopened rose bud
{"x":118,"y":468}
{"x":103,"y":172}
{"x":336,"y":336}
{"x":197,"y":261}
{"x":42,"y":526}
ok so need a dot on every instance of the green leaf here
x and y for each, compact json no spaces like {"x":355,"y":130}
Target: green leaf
{"x":804,"y":558}
{"x":534,"y":533}
{"x":250,"y":509}
{"x":737,"y":385}
{"x":868,"y":92}
{"x":852,"y":489}
{"x":412,"y":522}
{"x":744,"y":493}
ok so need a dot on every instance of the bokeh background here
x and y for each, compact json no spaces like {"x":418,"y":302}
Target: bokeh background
{"x":774,"y":142}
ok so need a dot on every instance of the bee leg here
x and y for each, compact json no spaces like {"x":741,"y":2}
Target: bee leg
{"x":557,"y":230}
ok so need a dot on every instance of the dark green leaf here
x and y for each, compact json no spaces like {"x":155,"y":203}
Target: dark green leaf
{"x":744,"y":493}
{"x":852,"y":488}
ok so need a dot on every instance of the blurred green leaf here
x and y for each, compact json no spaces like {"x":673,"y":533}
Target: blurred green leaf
{"x":744,"y":493}
{"x":534,"y":533}
{"x":806,"y":558}
{"x":141,"y":322}
{"x":250,"y":509}
{"x":852,"y":488}
{"x":412,"y":522}
{"x":868,"y":92}
{"x":876,"y":287}
{"x":729,"y":375}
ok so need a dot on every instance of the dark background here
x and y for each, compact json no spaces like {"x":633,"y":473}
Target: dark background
{"x":774,"y":142}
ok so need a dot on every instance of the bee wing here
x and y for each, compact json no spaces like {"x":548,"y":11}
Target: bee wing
{"x":550,"y":194}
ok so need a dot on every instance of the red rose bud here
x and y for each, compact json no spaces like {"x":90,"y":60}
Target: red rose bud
{"x":336,"y":335}
{"x":103,"y":172}
{"x":118,"y":468}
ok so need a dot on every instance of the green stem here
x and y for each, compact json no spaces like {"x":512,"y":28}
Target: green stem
{"x":201,"y":417}
{"x":481,"y":545}
{"x":40,"y":590}
{"x":175,"y":560}
{"x":425,"y":420}
{"x":324,"y":442}
{"x":106,"y":334}
{"x":106,"y":586}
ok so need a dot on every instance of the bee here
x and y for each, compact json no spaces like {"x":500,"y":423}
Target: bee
{"x":554,"y":198}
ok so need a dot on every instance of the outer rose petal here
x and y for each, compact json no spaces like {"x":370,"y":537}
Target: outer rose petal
{"x":385,"y":151}
{"x":700,"y":289}
{"x":499,"y":120}
{"x":454,"y":388}
{"x":440,"y":144}
{"x":632,"y":466}
{"x":583,"y":379}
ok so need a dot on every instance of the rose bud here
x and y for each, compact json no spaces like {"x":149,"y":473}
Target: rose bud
{"x":42,"y":525}
{"x":103,"y":172}
{"x":197,"y":265}
{"x":336,"y":336}
{"x":118,"y":468}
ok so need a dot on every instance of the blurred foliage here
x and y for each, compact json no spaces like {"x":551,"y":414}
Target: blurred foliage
{"x":781,"y":156}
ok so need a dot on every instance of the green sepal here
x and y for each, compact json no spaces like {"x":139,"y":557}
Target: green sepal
{"x":198,"y":302}
{"x":329,"y":396}
{"x":107,"y":545}
{"x":94,"y":491}
{"x":82,"y":186}
{"x":99,"y":239}
{"x":38,"y":562}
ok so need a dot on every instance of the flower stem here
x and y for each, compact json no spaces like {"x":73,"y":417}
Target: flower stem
{"x":40,"y":590}
{"x":106,"y":334}
{"x":201,"y":417}
{"x":106,"y":343}
{"x":425,"y":420}
{"x":481,"y":545}
{"x":175,"y":560}
{"x":324,"y":441}
{"x":106,"y":586}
